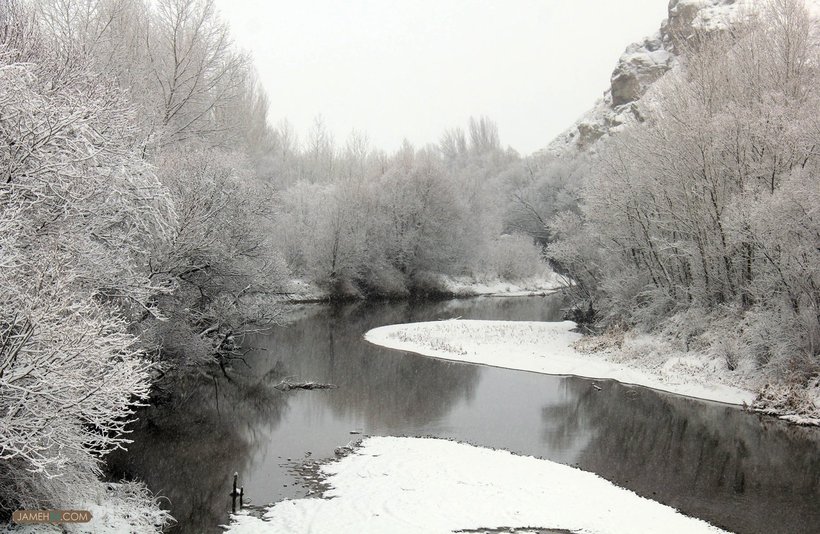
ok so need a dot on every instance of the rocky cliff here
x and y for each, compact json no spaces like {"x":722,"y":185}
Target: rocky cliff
{"x":644,"y":62}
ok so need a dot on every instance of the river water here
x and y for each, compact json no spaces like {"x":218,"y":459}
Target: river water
{"x":740,"y":471}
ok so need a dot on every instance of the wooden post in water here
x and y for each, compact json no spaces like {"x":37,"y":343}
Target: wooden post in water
{"x":241,"y":496}
{"x":234,"y":494}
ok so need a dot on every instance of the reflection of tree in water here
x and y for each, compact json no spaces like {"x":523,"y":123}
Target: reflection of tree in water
{"x":190,"y":441}
{"x":494,"y":308}
{"x":387,"y":388}
{"x":567,"y":427}
{"x":739,"y":471}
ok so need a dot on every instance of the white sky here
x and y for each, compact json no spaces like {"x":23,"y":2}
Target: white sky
{"x":397,"y":69}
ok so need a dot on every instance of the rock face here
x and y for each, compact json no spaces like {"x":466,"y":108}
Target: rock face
{"x":643,"y":63}
{"x":640,"y":65}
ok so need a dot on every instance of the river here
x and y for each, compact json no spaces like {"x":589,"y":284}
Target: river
{"x":743,"y":472}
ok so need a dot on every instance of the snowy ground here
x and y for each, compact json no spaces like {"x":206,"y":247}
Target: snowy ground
{"x":302,"y":291}
{"x":431,"y":486}
{"x":465,"y":286}
{"x":118,"y":508}
{"x":550,"y":348}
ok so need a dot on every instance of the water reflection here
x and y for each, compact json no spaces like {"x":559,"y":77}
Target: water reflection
{"x":194,"y":436}
{"x":712,"y":461}
{"x":384,"y":389}
{"x":740,"y":471}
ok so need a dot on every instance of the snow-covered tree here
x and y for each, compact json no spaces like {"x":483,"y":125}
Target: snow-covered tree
{"x":78,"y":210}
{"x":218,"y":251}
{"x":199,"y":75}
{"x":708,"y":203}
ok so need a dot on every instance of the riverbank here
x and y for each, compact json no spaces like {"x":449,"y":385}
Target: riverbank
{"x":554,"y":348}
{"x":412,"y":485}
{"x":440,"y":286}
{"x":642,"y":360}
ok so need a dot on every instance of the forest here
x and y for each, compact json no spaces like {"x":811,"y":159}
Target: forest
{"x":702,"y":221}
{"x":151,"y":213}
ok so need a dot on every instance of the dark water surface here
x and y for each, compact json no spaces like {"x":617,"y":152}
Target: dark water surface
{"x":743,"y":472}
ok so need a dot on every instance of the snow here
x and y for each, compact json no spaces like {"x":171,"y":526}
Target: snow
{"x":302,"y":291}
{"x":494,"y":287}
{"x":549,"y":348}
{"x":417,"y":485}
{"x":794,"y":402}
{"x":604,"y":118}
{"x":800,"y":420}
{"x":125,"y":507}
{"x":119,"y":507}
{"x":719,"y":14}
{"x":297,"y":290}
{"x":642,"y":56}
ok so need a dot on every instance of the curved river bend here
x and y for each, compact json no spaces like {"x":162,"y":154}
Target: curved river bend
{"x":740,"y":471}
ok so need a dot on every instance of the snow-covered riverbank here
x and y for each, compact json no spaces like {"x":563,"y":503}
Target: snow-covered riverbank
{"x":301,"y":291}
{"x":550,"y":348}
{"x":432,"y":486}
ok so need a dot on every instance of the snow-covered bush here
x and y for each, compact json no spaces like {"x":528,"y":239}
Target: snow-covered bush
{"x":686,"y":329}
{"x":115,"y":508}
{"x":514,"y":258}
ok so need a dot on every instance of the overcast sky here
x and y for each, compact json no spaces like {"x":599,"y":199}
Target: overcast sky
{"x":398,"y":69}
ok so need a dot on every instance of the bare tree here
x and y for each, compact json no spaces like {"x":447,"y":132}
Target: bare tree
{"x":483,"y":135}
{"x":198,"y":74}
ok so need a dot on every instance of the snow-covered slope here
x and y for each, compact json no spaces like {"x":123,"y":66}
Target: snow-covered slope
{"x":645,"y":62}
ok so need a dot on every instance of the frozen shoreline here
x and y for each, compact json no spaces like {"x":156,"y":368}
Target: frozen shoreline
{"x":548,"y":348}
{"x":434,"y":486}
{"x":302,"y":292}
